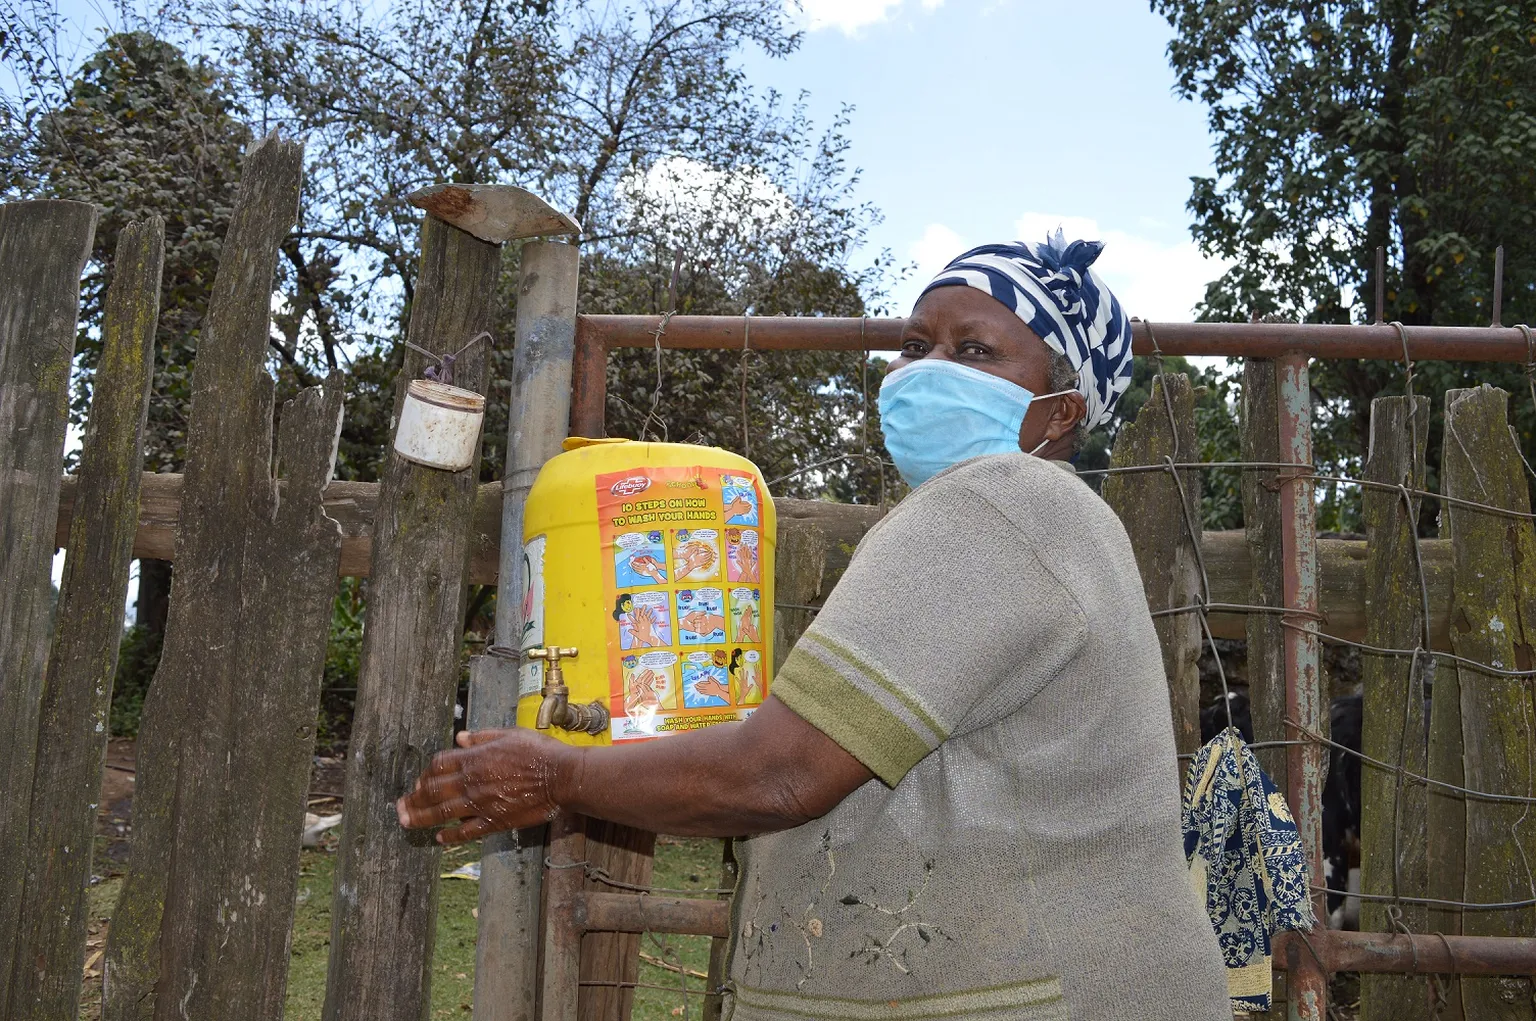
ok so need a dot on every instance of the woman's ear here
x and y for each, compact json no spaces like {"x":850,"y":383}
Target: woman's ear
{"x":1066,"y":413}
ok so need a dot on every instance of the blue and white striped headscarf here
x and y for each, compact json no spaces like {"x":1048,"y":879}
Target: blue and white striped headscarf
{"x":1051,"y":288}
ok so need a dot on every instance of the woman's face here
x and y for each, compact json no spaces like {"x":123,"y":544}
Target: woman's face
{"x":969,"y":327}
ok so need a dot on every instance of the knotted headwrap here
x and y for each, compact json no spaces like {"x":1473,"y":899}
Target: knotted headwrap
{"x":1051,"y":288}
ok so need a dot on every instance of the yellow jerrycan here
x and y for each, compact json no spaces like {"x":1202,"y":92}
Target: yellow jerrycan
{"x":649,"y":604}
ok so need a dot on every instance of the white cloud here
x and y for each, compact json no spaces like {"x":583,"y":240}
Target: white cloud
{"x":690,"y":193}
{"x":848,"y":15}
{"x":930,"y":252}
{"x":1154,"y":280}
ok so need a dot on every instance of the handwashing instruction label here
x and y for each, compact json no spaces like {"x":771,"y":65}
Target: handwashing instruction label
{"x":530,"y":675}
{"x":682,"y":574}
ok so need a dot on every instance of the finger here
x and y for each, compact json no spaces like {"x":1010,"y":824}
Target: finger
{"x":416,"y":816}
{"x":470,"y":738}
{"x":446,"y":761}
{"x":472,"y":828}
{"x":435,"y":787}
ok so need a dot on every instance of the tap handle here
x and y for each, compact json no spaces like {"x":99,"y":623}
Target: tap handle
{"x":552,"y":653}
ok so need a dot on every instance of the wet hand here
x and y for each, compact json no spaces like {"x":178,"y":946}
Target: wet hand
{"x":494,"y":780}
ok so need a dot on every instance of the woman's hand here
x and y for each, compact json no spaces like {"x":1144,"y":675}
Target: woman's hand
{"x":495,"y":780}
{"x":767,"y":773}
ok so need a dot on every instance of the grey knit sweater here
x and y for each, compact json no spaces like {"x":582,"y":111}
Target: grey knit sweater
{"x":990,"y":657}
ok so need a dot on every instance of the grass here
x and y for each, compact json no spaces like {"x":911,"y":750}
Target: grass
{"x":681,"y":864}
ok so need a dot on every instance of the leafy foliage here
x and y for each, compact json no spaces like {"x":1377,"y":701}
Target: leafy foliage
{"x":1216,"y":427}
{"x":1348,"y":125}
{"x":138,"y":130}
{"x":636,"y":118}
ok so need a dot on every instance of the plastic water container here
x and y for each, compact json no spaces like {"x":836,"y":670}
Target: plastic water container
{"x":655,"y":562}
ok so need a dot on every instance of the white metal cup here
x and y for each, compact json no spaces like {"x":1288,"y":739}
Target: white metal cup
{"x":439,"y":425}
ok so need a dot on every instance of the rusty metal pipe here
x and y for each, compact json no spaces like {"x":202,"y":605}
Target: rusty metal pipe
{"x":1253,"y":340}
{"x":1390,"y":953}
{"x":631,"y":912}
{"x":1307,"y":987}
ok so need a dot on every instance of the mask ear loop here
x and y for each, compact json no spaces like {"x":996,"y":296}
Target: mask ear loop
{"x":1042,"y":397}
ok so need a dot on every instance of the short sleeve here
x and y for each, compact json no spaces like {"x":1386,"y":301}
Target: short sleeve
{"x":944,"y":607}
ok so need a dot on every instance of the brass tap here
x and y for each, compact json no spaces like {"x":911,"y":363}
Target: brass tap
{"x":556,"y":709}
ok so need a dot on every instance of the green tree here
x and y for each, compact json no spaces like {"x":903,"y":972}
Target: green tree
{"x":636,"y":118}
{"x":138,"y":129}
{"x":1347,"y":125}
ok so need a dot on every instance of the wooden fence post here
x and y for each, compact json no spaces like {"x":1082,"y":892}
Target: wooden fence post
{"x":1445,"y":820}
{"x":800,"y":562}
{"x":77,"y":695}
{"x":384,"y":914}
{"x":1261,"y":525}
{"x":203,"y":922}
{"x":43,"y":248}
{"x":1393,"y":831}
{"x":1495,"y":594}
{"x":1158,"y":517}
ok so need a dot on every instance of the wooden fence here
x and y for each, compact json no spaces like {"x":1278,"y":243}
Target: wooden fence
{"x":260,"y":536}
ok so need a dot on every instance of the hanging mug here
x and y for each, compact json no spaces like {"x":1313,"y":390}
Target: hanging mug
{"x":440,"y":425}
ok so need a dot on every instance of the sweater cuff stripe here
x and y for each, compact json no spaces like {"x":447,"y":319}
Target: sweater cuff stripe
{"x":859,"y":669}
{"x":862,"y":725}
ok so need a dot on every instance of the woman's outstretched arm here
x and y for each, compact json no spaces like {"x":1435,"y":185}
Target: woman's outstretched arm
{"x":768,"y":773}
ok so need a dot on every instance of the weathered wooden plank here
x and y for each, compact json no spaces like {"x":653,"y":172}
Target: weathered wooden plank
{"x":43,"y":247}
{"x":1259,"y":422}
{"x":720,"y":946}
{"x":250,"y":607}
{"x":1260,"y":419}
{"x":1495,"y":560}
{"x":203,"y":922}
{"x":384,"y":913}
{"x":1228,"y":557}
{"x":1392,"y":835}
{"x":1158,"y":518}
{"x":627,"y":855}
{"x":1445,"y":820}
{"x":77,"y":694}
{"x":802,"y":550}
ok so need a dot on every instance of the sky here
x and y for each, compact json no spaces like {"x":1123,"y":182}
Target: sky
{"x":989,"y":120}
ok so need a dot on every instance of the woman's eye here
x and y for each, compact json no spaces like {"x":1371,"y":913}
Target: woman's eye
{"x":974,"y":349}
{"x":914,"y":348}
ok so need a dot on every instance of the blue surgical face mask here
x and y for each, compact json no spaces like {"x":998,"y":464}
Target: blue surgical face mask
{"x":938,"y":413}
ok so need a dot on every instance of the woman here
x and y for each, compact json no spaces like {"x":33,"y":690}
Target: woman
{"x":962,"y":783}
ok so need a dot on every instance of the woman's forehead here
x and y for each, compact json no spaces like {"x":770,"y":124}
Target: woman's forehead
{"x":962,"y":309}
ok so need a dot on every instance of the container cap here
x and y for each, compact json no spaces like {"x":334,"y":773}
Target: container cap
{"x":577,"y":442}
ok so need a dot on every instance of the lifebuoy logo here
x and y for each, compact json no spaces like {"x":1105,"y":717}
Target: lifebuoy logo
{"x":630,"y":486}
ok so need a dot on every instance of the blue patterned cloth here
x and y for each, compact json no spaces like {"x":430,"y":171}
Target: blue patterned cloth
{"x":1245,"y":856}
{"x":1051,"y":288}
